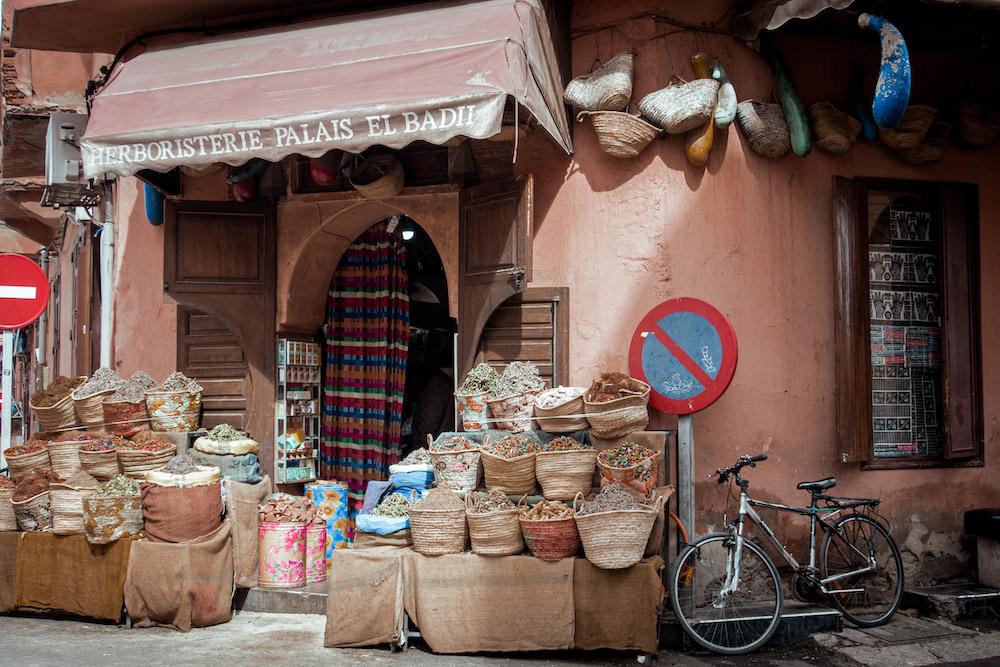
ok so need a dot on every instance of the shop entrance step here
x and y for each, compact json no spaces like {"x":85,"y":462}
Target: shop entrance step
{"x":310,"y":599}
{"x":799,"y":620}
{"x":954,"y":600}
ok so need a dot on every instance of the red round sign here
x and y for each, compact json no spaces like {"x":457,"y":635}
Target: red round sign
{"x":24,"y":291}
{"x":686,"y":351}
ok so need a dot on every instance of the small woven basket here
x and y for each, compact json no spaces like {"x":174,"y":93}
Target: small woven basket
{"x":618,"y":417}
{"x":911,"y":131}
{"x":679,"y":108}
{"x":34,"y":514}
{"x":514,"y":476}
{"x":58,"y":416}
{"x":764,"y":126}
{"x":64,"y":457}
{"x":8,"y":521}
{"x":641,"y":479}
{"x":494,"y":534}
{"x":459,"y":471}
{"x":551,"y":539}
{"x":617,"y":539}
{"x":21,"y":465}
{"x":513,"y":413}
{"x":67,"y":507}
{"x":932,"y":148}
{"x":378,"y":177}
{"x":100,"y":465}
{"x":607,"y":88}
{"x":621,"y":134}
{"x":551,"y":420}
{"x":834,"y":130}
{"x":90,"y":409}
{"x":564,"y":474}
{"x":136,"y":463}
{"x":438,"y":532}
{"x":173,"y":411}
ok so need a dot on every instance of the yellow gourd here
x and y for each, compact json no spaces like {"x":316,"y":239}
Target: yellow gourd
{"x":698,"y":142}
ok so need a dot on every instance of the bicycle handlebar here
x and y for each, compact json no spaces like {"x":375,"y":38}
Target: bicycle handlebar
{"x":743,"y":461}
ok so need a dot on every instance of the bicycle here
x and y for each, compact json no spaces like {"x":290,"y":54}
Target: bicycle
{"x":726,"y":591}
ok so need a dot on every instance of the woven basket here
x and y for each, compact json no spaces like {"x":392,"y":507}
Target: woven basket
{"x":438,"y":532}
{"x":551,"y":419}
{"x":58,"y":416}
{"x":19,"y":466}
{"x":834,"y":130}
{"x":641,"y":479}
{"x":932,"y":148}
{"x":173,"y":411}
{"x":125,"y":418}
{"x":974,"y":128}
{"x":34,"y":514}
{"x":67,"y":508}
{"x":551,"y":539}
{"x":459,"y":471}
{"x":514,"y":477}
{"x":621,"y":134}
{"x":474,"y":410}
{"x":90,"y":409}
{"x":135,"y":464}
{"x":513,"y":413}
{"x":108,"y":519}
{"x":494,"y":534}
{"x":564,"y":474}
{"x":607,"y":88}
{"x":679,"y":108}
{"x":911,"y":130}
{"x":378,"y":177}
{"x":764,"y":126}
{"x":8,"y":521}
{"x":100,"y":465}
{"x":616,"y":540}
{"x":64,"y":457}
{"x":620,"y":416}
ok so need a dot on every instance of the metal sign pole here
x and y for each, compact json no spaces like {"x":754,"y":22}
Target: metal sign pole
{"x":7,"y":391}
{"x":685,"y":473}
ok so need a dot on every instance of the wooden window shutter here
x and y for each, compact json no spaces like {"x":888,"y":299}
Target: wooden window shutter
{"x":960,"y":322}
{"x":851,"y":339}
{"x":495,"y":235}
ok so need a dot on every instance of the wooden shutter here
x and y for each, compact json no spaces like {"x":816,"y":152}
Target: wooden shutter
{"x":495,"y":233}
{"x":533,"y":326}
{"x":851,"y":326}
{"x":960,"y":322}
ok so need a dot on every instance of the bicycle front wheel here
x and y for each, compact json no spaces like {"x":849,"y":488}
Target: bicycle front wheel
{"x":724,"y":622}
{"x":863,"y":554}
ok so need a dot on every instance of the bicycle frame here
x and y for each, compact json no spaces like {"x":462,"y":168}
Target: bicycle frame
{"x":817,"y":516}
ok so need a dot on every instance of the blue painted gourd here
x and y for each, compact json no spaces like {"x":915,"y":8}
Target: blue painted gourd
{"x":892,"y":92}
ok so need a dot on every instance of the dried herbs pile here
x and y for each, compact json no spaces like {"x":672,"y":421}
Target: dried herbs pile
{"x":514,"y":445}
{"x":118,"y":487}
{"x":612,"y":386}
{"x":59,"y":389}
{"x":613,"y":498}
{"x":33,"y":483}
{"x":103,"y":379}
{"x":132,"y":390}
{"x":625,"y":455}
{"x":493,"y":501}
{"x":393,"y":505}
{"x":145,"y":445}
{"x":517,"y":378}
{"x":226,"y":433}
{"x":547,"y":510}
{"x":455,"y":443}
{"x":286,"y":507}
{"x":182,"y":464}
{"x":102,"y":445}
{"x":179,"y":382}
{"x":564,"y":443}
{"x":480,"y":380}
{"x":440,"y":498}
{"x":416,"y":457}
{"x":556,"y":396}
{"x":73,"y":436}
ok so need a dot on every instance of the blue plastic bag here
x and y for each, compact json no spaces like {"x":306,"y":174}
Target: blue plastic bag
{"x":382,"y":525}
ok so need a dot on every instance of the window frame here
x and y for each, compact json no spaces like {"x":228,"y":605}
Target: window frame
{"x":956,"y":206}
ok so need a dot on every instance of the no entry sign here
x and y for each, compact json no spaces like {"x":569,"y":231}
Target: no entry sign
{"x":686,"y":350}
{"x":24,"y":291}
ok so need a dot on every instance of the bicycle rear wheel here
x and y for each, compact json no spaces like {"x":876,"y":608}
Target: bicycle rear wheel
{"x":728,"y":624}
{"x":852,"y":544}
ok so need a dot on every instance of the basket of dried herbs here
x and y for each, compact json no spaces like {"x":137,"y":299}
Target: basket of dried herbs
{"x":437,"y":523}
{"x":549,"y":529}
{"x":512,"y":399}
{"x":617,"y":405}
{"x":471,"y":397}
{"x":564,"y":467}
{"x":493,"y":526}
{"x":175,"y":404}
{"x":457,"y":461}
{"x":509,"y":463}
{"x":54,"y":405}
{"x":614,"y":527}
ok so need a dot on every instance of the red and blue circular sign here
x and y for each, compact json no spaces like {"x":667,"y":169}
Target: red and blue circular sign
{"x":24,"y":291}
{"x":686,"y":351}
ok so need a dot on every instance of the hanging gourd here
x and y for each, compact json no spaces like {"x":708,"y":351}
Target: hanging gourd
{"x":795,"y":112}
{"x":892,"y":91}
{"x":154,"y":205}
{"x":698,"y":142}
{"x":859,"y":108}
{"x":245,"y":177}
{"x":725,"y":108}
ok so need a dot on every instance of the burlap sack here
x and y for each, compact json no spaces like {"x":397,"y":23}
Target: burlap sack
{"x":172,"y":514}
{"x":401,"y":538}
{"x":618,"y":609}
{"x":181,"y":586}
{"x":242,"y":501}
{"x":364,"y":604}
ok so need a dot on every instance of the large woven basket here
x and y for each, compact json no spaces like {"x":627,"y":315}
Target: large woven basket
{"x":67,"y":508}
{"x":494,"y":534}
{"x":834,"y":130}
{"x":641,"y":479}
{"x":765,"y":128}
{"x":679,"y":108}
{"x":34,"y":514}
{"x":911,"y":131}
{"x":553,"y":420}
{"x":106,"y":520}
{"x":135,"y":464}
{"x":551,"y":539}
{"x":513,"y":413}
{"x":173,"y":411}
{"x":514,"y":476}
{"x":58,"y":416}
{"x":100,"y":465}
{"x":459,"y":471}
{"x":617,"y":539}
{"x":19,"y":466}
{"x":606,"y":88}
{"x":563,"y":474}
{"x":64,"y":457}
{"x":378,"y":177}
{"x":619,"y":133}
{"x":90,"y":409}
{"x":126,"y":418}
{"x":618,"y":417}
{"x":8,"y":521}
{"x":438,"y":532}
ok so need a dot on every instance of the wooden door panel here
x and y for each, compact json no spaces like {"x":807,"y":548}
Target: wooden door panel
{"x":208,"y":351}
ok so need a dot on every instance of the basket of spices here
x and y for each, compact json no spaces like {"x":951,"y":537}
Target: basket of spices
{"x":31,"y":501}
{"x":54,"y":405}
{"x":565,"y":467}
{"x":136,"y":458}
{"x":614,"y":527}
{"x":512,"y":399}
{"x":64,"y":452}
{"x":66,"y":498}
{"x":457,"y":461}
{"x":509,"y":463}
{"x":471,"y":397}
{"x":22,"y":459}
{"x":616,"y":405}
{"x":88,"y":398}
{"x":7,"y":519}
{"x":634,"y":466}
{"x":125,"y":410}
{"x":175,"y":404}
{"x":99,"y":458}
{"x":493,"y":526}
{"x":549,"y":529}
{"x":113,"y":511}
{"x":437,"y":523}
{"x":560,"y":410}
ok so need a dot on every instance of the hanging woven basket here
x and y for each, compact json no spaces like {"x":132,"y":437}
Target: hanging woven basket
{"x":835,"y":131}
{"x":621,"y":134}
{"x":681,"y":107}
{"x":911,"y":130}
{"x":931,"y":149}
{"x":607,"y":88}
{"x":378,"y":177}
{"x":764,"y":126}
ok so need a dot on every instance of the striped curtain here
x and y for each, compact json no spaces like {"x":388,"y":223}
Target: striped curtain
{"x":367,"y":338}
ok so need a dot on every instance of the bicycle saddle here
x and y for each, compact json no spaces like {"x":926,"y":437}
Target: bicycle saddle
{"x":818,"y":485}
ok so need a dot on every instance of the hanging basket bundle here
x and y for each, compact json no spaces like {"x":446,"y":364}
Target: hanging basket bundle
{"x":931,"y":149}
{"x":378,"y":176}
{"x":911,"y":131}
{"x":607,"y":88}
{"x":834,"y":129}
{"x":619,"y":133}
{"x":683,"y":107}
{"x":764,"y":126}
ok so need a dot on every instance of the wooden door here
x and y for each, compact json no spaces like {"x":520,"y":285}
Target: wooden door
{"x":81,"y":333}
{"x":495,"y":235}
{"x":210,"y":352}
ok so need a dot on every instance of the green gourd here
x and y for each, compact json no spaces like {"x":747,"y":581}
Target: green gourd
{"x":795,"y":112}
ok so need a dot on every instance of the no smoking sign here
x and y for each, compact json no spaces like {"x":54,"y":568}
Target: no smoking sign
{"x":686,"y":351}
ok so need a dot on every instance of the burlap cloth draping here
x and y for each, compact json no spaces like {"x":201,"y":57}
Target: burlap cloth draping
{"x":8,"y":570}
{"x":364,"y":604}
{"x":401,"y":538}
{"x":242,"y":501}
{"x":66,"y":573}
{"x":617,"y":609}
{"x":184,"y":585}
{"x":173,"y":514}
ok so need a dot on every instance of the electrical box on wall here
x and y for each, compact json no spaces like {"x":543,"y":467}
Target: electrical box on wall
{"x":65,"y":184}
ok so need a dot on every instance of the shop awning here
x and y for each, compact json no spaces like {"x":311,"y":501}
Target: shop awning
{"x":428,"y":73}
